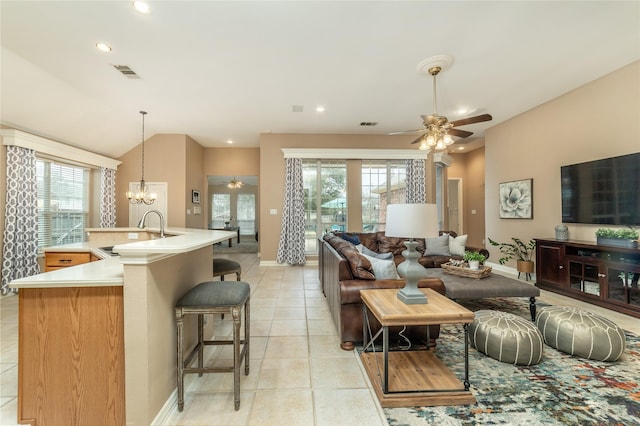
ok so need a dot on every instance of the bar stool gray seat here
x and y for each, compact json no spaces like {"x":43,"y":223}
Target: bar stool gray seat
{"x":214,"y":297}
{"x":222,"y":267}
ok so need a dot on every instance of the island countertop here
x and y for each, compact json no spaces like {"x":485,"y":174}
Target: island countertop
{"x":108,"y":271}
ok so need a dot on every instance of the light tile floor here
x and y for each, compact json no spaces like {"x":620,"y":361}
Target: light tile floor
{"x":299,"y":375}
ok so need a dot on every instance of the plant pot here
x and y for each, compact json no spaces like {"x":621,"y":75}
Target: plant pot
{"x":617,"y":242}
{"x":474,"y":265}
{"x":525,"y":266}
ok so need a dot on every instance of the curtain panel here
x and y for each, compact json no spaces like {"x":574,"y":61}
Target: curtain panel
{"x":416,"y":182}
{"x":107,"y":198}
{"x":20,"y":239}
{"x":291,"y":244}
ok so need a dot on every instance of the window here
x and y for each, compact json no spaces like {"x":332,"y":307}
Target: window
{"x":63,"y":200}
{"x":220,"y":209}
{"x":246,"y":213}
{"x":383,"y":183}
{"x":325,"y":201}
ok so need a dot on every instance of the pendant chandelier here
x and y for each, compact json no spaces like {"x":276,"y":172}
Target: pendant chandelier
{"x":142,"y":194}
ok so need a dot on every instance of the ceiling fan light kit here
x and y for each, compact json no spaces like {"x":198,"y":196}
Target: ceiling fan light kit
{"x":438,"y":131}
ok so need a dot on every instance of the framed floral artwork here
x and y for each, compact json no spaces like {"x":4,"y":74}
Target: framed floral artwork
{"x":516,"y":199}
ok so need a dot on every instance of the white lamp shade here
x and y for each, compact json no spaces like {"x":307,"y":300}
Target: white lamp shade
{"x":412,"y":221}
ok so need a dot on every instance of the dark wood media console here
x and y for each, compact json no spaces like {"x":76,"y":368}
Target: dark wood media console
{"x":602,"y":275}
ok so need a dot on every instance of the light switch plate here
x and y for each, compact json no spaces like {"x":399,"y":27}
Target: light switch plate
{"x":273,"y":211}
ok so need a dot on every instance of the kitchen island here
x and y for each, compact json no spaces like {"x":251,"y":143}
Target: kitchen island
{"x":96,"y":341}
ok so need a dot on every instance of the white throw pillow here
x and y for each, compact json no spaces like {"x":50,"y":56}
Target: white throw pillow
{"x":383,"y":269}
{"x":457,"y":245}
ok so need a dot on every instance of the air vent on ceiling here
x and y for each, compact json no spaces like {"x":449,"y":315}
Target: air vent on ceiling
{"x":297,"y":108}
{"x":368,"y":123}
{"x":126,"y":71}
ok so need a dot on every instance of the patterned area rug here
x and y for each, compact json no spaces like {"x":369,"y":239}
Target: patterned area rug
{"x":561,"y":390}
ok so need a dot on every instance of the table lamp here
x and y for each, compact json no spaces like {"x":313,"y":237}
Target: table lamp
{"x":412,"y":221}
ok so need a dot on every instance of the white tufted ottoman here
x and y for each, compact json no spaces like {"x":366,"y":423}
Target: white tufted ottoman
{"x":581,"y":333}
{"x":506,"y":337}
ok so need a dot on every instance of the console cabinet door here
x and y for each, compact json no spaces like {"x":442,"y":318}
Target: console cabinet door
{"x":622,"y":284}
{"x":550,"y":264}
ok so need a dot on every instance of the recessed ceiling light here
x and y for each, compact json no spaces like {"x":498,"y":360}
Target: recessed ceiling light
{"x":319,"y":108}
{"x":103,"y":47}
{"x":461,"y":148}
{"x":229,"y":141}
{"x":142,"y":6}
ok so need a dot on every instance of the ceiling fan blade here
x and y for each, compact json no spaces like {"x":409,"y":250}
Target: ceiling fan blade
{"x":418,"y":139}
{"x":471,"y":120}
{"x":459,"y":133}
{"x":405,"y":132}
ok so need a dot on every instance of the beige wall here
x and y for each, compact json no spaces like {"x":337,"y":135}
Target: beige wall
{"x":194,"y":180}
{"x":598,"y":120}
{"x":469,"y":167}
{"x":272,"y":167}
{"x":165,"y":161}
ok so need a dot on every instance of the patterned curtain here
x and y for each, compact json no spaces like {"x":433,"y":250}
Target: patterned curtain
{"x":291,"y":245}
{"x":416,"y":183}
{"x":20,"y":239}
{"x":107,"y":198}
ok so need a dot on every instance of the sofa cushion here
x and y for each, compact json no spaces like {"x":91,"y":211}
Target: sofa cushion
{"x":352,"y":238}
{"x":383,"y":269}
{"x":359,"y":265}
{"x":437,"y":246}
{"x":457,"y":245}
{"x":364,"y":250}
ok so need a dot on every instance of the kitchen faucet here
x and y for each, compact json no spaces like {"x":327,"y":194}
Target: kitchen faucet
{"x":144,"y":217}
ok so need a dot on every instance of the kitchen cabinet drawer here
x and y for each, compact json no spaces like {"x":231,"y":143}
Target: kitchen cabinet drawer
{"x":56,"y":260}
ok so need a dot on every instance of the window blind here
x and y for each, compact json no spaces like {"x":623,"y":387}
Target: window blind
{"x":63,"y":202}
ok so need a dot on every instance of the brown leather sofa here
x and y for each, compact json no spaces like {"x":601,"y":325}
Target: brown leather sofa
{"x":343,"y":273}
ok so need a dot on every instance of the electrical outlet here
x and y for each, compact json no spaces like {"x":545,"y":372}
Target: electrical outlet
{"x":132,"y":235}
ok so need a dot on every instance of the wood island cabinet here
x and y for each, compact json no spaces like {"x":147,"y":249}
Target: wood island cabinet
{"x":602,"y":275}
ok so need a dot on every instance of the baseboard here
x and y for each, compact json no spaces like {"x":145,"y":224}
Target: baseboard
{"x":509,"y":272}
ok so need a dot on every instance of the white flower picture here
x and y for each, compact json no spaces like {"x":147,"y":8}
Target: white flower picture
{"x":516,"y":199}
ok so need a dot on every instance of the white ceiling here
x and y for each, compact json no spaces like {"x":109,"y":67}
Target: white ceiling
{"x":220,"y":70}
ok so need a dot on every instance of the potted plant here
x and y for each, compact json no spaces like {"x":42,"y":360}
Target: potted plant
{"x":474,"y":259}
{"x":624,"y":237}
{"x":517,"y":250}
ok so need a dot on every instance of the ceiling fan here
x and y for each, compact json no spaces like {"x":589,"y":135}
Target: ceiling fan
{"x":438,"y":131}
{"x":234,"y":183}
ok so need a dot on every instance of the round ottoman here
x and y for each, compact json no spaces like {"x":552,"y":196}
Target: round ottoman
{"x":581,"y":333}
{"x":506,"y":337}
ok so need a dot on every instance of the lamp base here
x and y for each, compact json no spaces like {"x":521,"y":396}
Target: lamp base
{"x":412,"y":296}
{"x":411,"y":271}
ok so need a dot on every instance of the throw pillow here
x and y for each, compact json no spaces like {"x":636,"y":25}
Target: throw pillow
{"x":383,"y":269}
{"x":457,"y":245}
{"x":353,"y":239}
{"x":364,"y":250}
{"x":437,"y":246}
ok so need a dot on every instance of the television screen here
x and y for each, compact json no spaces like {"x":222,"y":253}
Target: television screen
{"x":602,"y":191}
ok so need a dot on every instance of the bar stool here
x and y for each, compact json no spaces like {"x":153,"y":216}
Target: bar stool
{"x":222,"y":267}
{"x":214,"y":297}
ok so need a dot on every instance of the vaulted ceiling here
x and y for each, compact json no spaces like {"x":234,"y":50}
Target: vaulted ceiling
{"x":221,"y":71}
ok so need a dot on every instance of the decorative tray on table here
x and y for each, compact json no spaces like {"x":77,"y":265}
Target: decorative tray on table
{"x":463,"y":270}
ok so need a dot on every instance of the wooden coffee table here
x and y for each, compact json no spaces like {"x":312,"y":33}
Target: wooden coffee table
{"x":413,"y":378}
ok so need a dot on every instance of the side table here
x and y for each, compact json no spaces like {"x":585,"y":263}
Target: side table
{"x":413,"y":378}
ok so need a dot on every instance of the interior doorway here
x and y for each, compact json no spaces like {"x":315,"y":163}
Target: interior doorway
{"x":234,"y":208}
{"x":455,"y":207}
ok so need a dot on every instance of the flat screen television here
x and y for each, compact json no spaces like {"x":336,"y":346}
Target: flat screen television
{"x":603,"y":192}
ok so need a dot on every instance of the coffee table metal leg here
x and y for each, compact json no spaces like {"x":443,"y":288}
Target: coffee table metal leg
{"x":466,"y":357}
{"x":385,"y":351}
